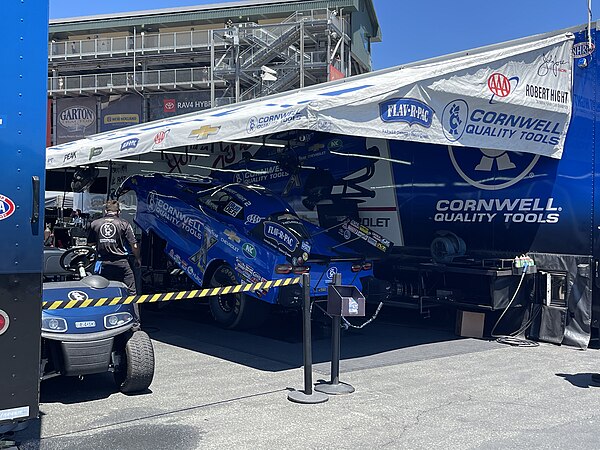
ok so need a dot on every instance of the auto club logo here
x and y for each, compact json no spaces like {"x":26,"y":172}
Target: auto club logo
{"x":490,"y":169}
{"x":501,"y":86}
{"x":160,"y":137}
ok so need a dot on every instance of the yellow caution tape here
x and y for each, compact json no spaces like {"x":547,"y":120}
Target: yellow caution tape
{"x":169,"y":296}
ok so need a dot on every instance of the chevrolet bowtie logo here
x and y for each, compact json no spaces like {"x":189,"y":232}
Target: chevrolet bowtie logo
{"x":204,"y":132}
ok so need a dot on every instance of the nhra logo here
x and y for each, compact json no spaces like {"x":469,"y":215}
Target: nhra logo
{"x":490,"y":169}
{"x":500,"y":85}
{"x":454,"y":119}
{"x":407,"y":110}
{"x":583,"y":49}
{"x":77,"y":296}
{"x":7,"y":207}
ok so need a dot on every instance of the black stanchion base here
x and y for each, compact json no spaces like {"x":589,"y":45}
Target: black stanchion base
{"x":301,"y":397}
{"x":334,"y":389}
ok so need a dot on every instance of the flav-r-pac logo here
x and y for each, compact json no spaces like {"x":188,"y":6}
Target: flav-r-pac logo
{"x":490,"y":169}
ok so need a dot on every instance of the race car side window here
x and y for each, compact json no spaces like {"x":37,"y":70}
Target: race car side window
{"x":222,"y":203}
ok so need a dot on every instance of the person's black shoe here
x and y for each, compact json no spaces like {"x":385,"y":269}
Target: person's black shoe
{"x":596,"y":378}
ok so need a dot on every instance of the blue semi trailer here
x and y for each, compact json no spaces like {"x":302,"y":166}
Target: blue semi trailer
{"x":22,"y":139}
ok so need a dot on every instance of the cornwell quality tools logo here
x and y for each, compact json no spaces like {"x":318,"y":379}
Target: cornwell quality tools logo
{"x":257,"y":123}
{"x":498,"y":127}
{"x":495,"y":170}
{"x":407,"y":110}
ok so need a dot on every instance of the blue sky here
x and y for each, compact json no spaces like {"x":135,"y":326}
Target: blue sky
{"x":412,"y":30}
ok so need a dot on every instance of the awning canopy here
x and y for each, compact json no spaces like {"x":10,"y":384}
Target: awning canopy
{"x":514,"y":96}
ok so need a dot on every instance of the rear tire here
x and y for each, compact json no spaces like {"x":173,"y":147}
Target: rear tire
{"x":235,"y":311}
{"x":136,"y":369}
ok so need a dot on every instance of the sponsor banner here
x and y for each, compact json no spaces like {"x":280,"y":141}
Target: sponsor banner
{"x":162,"y":106}
{"x":75,"y":118}
{"x":122,"y":112}
{"x":516,"y":97}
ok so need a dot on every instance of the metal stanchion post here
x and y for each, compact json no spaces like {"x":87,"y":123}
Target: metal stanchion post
{"x":308,"y":396}
{"x":334,"y":386}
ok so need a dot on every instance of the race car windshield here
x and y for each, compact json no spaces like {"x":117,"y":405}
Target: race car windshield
{"x":292,"y":223}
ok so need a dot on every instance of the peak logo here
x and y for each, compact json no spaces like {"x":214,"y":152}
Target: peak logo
{"x":489,"y":169}
{"x":501,"y":86}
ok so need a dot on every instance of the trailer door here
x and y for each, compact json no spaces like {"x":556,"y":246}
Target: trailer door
{"x":22,"y":140}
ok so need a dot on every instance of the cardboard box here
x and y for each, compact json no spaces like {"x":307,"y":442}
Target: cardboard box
{"x":470,"y":324}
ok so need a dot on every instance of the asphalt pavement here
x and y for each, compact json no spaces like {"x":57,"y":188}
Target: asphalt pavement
{"x":417,"y":385}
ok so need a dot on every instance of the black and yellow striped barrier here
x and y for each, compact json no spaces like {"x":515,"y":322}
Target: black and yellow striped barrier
{"x":169,"y":296}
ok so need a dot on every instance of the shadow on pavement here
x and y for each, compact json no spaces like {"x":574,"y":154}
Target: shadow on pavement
{"x":396,"y":336}
{"x":581,"y":380}
{"x":92,"y":387}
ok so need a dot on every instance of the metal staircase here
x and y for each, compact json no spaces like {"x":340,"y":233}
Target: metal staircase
{"x":248,"y":47}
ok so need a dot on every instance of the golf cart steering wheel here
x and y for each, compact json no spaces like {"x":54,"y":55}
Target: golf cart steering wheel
{"x":78,"y":259}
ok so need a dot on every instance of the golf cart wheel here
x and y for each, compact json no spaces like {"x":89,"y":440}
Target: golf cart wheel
{"x":235,"y":311}
{"x":136,"y":369}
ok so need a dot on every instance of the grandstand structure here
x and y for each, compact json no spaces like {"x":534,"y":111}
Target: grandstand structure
{"x":115,"y":70}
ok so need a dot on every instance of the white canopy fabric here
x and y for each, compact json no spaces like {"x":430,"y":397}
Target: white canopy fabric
{"x":515,"y":96}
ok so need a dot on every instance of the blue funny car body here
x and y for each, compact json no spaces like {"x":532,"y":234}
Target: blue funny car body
{"x":228,"y":233}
